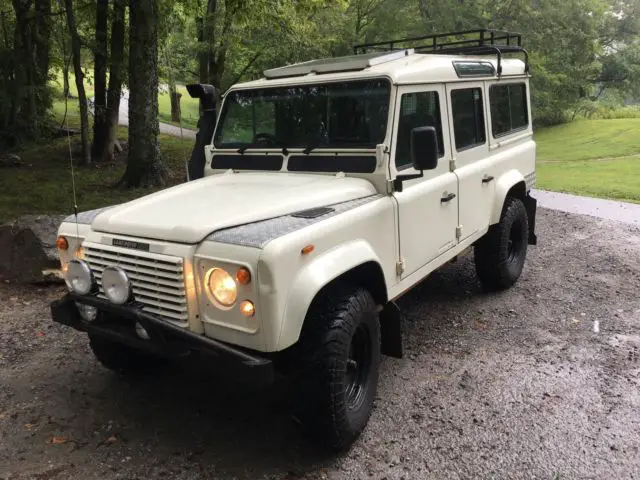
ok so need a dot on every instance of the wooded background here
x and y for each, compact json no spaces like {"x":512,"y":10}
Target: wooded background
{"x":585,"y":55}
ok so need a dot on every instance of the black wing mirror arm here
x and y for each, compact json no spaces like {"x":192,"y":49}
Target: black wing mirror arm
{"x":397,"y":182}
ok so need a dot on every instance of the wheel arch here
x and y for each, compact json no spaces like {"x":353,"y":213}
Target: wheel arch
{"x":511,"y":184}
{"x":353,"y":264}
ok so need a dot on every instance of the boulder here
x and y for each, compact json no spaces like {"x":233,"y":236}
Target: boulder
{"x":28,"y":248}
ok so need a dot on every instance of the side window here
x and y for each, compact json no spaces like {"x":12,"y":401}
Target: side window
{"x":508,"y":108}
{"x":468,"y":118}
{"x":418,"y":109}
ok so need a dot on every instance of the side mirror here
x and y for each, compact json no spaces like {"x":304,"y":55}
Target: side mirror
{"x":424,"y":148}
{"x":424,"y":154}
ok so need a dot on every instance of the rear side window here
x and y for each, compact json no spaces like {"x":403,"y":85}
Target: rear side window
{"x":508,"y":108}
{"x":468,"y":118}
{"x":419,"y":109}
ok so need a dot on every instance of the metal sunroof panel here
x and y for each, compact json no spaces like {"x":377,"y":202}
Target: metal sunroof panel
{"x":338,"y":64}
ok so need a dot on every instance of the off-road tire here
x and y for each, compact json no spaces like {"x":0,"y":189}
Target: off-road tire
{"x":123,"y":359}
{"x":500,"y":254}
{"x":340,"y":353}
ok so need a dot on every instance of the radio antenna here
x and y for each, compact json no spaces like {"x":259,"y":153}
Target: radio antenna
{"x":73,"y":176}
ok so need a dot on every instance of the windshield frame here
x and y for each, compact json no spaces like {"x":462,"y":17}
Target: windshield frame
{"x":295,"y":148}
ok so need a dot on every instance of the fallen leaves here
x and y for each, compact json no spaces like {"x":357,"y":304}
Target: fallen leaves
{"x":55,"y":440}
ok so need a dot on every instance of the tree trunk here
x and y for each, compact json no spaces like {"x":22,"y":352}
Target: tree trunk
{"x":175,"y":103}
{"x":206,"y":39}
{"x":65,"y":78}
{"x":23,"y":96}
{"x":144,"y":165}
{"x":77,"y":68}
{"x":115,"y":77}
{"x":100,"y":74}
{"x":42,"y":33}
{"x":203,"y":57}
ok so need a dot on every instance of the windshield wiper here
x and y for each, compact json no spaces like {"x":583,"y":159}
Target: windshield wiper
{"x":315,"y":143}
{"x":257,"y":142}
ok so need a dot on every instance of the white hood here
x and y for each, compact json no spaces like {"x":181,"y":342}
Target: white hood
{"x":189,"y":212}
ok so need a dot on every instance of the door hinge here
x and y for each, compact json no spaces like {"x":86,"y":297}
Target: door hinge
{"x":400,"y":267}
{"x":452,"y":165}
{"x":459,"y":232}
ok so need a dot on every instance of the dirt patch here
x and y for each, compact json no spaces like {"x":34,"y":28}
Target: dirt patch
{"x":541,"y":381}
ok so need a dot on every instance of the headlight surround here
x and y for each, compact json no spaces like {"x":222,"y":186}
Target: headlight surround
{"x":221,"y":286}
{"x":116,"y":285}
{"x":79,"y":277}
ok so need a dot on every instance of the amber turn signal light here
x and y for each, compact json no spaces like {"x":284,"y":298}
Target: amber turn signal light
{"x":247,"y":308}
{"x":243,"y":275}
{"x":62,"y":243}
{"x":307,"y":249}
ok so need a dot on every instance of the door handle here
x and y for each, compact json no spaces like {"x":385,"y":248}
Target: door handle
{"x":447,"y":198}
{"x":487,"y":179}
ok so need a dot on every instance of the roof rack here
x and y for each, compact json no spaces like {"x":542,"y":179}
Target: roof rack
{"x":467,"y":42}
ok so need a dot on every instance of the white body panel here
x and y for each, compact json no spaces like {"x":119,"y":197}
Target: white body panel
{"x":188,"y":213}
{"x":405,"y":235}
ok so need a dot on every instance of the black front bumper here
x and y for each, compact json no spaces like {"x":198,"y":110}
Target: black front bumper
{"x":117,"y":323}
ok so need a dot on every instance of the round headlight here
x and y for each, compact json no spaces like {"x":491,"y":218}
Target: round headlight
{"x":79,"y":277}
{"x":116,"y":285}
{"x":222,"y":287}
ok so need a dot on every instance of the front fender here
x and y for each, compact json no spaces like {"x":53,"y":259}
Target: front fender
{"x":310,"y":280}
{"x":504,"y":184}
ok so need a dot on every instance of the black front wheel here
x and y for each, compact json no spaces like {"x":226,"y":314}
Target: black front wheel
{"x":500,"y":254}
{"x":340,"y":347}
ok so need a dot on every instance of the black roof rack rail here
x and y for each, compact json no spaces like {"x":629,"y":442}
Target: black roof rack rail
{"x":467,"y":42}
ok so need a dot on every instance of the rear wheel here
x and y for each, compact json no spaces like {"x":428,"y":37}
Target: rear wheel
{"x":501,"y":253}
{"x":123,"y":359}
{"x":341,"y":357}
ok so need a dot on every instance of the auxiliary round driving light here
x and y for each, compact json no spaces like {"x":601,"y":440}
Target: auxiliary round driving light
{"x":88,"y":312}
{"x":79,"y":277}
{"x":116,"y":285}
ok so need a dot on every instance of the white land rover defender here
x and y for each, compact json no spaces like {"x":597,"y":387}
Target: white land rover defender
{"x":329,"y":188}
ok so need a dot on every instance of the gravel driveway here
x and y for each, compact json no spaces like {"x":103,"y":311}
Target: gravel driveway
{"x":542,"y":381}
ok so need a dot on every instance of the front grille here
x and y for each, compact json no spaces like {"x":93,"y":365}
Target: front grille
{"x":157,"y":280}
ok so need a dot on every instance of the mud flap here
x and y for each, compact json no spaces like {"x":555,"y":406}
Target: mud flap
{"x":531,"y":204}
{"x":391,"y":331}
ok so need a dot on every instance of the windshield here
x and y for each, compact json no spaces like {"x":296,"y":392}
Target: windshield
{"x":350,"y":114}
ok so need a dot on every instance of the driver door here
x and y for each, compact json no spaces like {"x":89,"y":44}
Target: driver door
{"x":427,"y":206}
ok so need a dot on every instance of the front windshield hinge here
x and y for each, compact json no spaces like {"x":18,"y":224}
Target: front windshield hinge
{"x":391,"y":186}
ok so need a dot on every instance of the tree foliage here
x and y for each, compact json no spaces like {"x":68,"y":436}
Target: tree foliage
{"x":582,"y":51}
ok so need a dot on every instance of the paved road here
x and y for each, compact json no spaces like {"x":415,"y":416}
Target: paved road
{"x":595,"y":207}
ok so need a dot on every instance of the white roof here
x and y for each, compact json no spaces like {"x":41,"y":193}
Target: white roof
{"x":405,"y":67}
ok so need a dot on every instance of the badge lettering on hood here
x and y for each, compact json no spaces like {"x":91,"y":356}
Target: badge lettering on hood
{"x":116,"y":242}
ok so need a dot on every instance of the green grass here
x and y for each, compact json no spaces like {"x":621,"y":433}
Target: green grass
{"x":587,"y":139}
{"x":43,"y":184}
{"x":615,"y":178}
{"x":597,"y":158}
{"x":189,"y":107}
